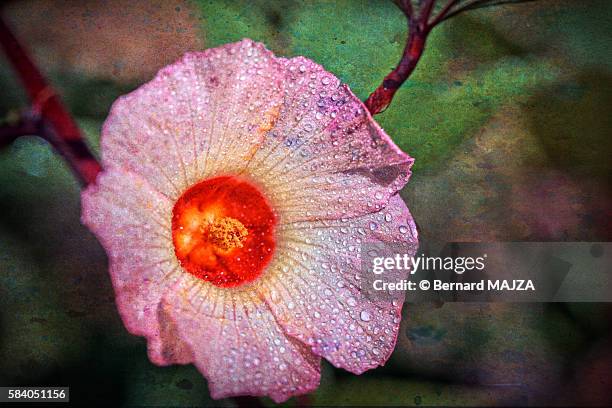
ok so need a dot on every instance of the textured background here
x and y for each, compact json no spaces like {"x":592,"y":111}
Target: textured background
{"x":507,"y":115}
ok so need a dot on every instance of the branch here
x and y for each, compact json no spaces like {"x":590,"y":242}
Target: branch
{"x":418,"y":30}
{"x":380,"y":99}
{"x":477,"y":4}
{"x":55,"y":123}
{"x":443,"y":13}
{"x":425,"y":13}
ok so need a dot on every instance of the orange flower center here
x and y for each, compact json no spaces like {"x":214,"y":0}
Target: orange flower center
{"x":223,"y":231}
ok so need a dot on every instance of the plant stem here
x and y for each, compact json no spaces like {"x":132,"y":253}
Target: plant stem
{"x":419,"y":28}
{"x":54,"y":122}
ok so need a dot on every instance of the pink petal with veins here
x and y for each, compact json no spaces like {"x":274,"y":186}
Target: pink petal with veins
{"x":314,"y":286}
{"x":245,"y":351}
{"x":326,"y":158}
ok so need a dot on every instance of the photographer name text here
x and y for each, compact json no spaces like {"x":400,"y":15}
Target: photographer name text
{"x":439,"y":285}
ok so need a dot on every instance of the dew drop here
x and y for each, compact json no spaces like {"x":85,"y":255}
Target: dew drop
{"x":365,"y":316}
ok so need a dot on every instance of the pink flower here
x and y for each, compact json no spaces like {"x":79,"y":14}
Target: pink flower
{"x":238,"y":188}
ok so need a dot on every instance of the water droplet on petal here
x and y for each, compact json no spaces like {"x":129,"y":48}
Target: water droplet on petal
{"x":365,"y":316}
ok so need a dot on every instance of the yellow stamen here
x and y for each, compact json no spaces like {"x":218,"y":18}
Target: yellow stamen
{"x":227,"y":233}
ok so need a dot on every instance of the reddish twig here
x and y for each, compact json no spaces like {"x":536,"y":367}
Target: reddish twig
{"x":54,"y":123}
{"x":477,"y":4}
{"x":419,"y":27}
{"x":444,"y":12}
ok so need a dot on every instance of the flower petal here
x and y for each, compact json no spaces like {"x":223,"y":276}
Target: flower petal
{"x":183,"y":318}
{"x":204,"y":115}
{"x":312,"y":286}
{"x":132,"y":222}
{"x":326,"y":158}
{"x":238,"y":345}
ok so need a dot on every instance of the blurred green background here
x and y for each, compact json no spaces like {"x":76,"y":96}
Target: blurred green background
{"x":507,"y":115}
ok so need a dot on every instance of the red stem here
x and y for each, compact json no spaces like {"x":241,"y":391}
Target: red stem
{"x":443,"y":13}
{"x":56,"y":124}
{"x":418,"y":29}
{"x":380,"y":99}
